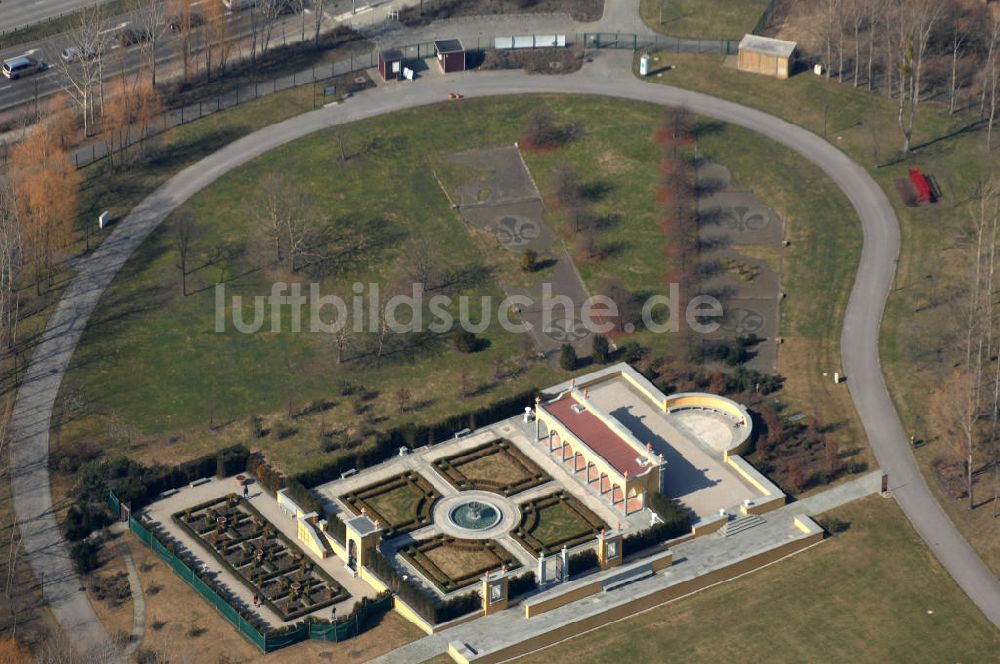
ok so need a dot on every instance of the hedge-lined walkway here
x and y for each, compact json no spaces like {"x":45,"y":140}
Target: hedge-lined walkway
{"x":163,"y":510}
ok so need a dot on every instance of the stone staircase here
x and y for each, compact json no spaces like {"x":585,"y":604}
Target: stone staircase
{"x":740,"y":524}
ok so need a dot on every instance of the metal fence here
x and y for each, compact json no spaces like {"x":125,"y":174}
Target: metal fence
{"x":266,"y":642}
{"x":602,"y":40}
{"x":247,"y":92}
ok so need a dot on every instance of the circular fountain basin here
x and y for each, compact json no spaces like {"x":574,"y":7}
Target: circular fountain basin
{"x":475,"y":515}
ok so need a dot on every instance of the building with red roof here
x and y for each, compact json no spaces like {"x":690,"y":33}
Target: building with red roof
{"x":592,"y":443}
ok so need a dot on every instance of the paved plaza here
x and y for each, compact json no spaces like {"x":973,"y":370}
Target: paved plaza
{"x":692,"y":559}
{"x":696,"y":475}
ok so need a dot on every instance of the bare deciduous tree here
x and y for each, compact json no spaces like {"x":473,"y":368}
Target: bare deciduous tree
{"x":290,"y":222}
{"x":915,"y":23}
{"x":184,"y":230}
{"x":88,"y":38}
{"x":11,"y":263}
{"x":151,"y":19}
{"x":217,"y":38}
{"x":183,"y":16}
{"x":47,"y":189}
{"x":318,"y":16}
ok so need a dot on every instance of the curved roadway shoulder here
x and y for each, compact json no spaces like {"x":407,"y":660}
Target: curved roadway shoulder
{"x":33,"y":409}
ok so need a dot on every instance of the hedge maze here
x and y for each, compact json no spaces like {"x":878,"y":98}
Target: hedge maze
{"x":452,"y":564}
{"x":401,"y":504}
{"x":497,"y":466}
{"x":255,"y":552}
{"x":554,"y":521}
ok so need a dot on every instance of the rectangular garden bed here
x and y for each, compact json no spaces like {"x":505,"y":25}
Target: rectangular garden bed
{"x":452,"y":564}
{"x":498,"y":466}
{"x":266,"y":561}
{"x":551,"y":522}
{"x":401,"y":503}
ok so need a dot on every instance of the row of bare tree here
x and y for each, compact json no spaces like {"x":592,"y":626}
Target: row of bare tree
{"x":207,"y":33}
{"x":914,"y":50}
{"x":968,"y":400}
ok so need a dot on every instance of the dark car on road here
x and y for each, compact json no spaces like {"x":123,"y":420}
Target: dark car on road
{"x":131,"y":36}
{"x":176,"y":23}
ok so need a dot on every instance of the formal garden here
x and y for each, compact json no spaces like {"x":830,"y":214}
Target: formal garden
{"x":497,"y":466}
{"x":400,"y":504}
{"x":554,"y":521}
{"x":452,"y":564}
{"x":275,"y":568}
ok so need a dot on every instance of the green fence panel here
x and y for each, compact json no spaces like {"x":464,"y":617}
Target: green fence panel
{"x":276,"y":641}
{"x":269,"y":642}
{"x":187,"y":574}
{"x":114,"y":504}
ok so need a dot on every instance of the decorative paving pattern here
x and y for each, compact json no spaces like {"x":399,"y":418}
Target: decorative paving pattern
{"x":495,"y":192}
{"x":747,"y":282}
{"x":742,"y":218}
{"x":740,"y":321}
{"x":566,"y":330}
{"x":516,"y":232}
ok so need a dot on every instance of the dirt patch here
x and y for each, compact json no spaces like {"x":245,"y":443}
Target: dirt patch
{"x":536,"y":61}
{"x":612,"y":162}
{"x":108,"y":590}
{"x":434,"y":10}
{"x":950,"y":476}
{"x":181,"y":626}
{"x":497,"y":467}
{"x":907,"y":192}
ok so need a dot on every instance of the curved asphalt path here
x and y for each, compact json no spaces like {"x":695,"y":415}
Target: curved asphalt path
{"x":33,"y":410}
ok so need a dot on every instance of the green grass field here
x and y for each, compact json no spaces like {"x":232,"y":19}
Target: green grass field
{"x":155,"y":381}
{"x":707,"y":19}
{"x":871,"y":594}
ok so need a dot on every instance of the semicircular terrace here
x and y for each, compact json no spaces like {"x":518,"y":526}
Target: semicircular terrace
{"x":720,"y":423}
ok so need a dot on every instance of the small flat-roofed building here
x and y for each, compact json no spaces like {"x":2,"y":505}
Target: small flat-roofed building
{"x":390,"y":64}
{"x":450,"y":55}
{"x":763,"y":55}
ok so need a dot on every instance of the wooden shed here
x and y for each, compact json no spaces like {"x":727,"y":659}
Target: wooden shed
{"x":450,"y":55}
{"x":763,"y":55}
{"x":390,"y":64}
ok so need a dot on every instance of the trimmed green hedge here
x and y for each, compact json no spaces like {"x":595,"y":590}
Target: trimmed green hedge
{"x":385,"y":445}
{"x":426,"y":606}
